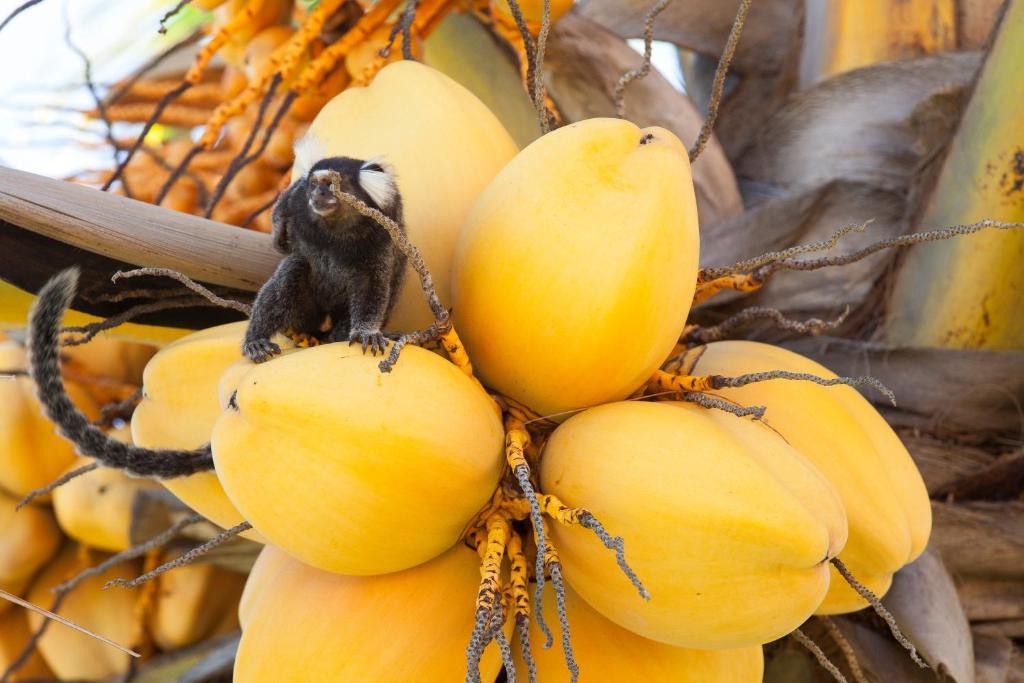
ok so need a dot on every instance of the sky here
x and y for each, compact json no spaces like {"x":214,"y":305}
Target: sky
{"x":42,"y":80}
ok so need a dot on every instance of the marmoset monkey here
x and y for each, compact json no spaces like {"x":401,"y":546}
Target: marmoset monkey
{"x":338,"y":262}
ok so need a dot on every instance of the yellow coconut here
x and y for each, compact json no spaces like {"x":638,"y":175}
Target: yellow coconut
{"x":14,"y":635}
{"x":576,"y":268}
{"x":111,"y":358}
{"x":258,"y":51}
{"x":413,"y":625}
{"x":366,"y":53}
{"x":356,"y":471}
{"x":111,"y":613}
{"x":96,"y":508}
{"x":191,"y":603}
{"x":28,"y":539}
{"x":607,"y":652}
{"x":533,"y":10}
{"x":180,"y":406}
{"x":32,"y":454}
{"x":269,"y":563}
{"x":265,"y":14}
{"x":845,"y":437}
{"x":728,"y":528}
{"x":444,"y":145}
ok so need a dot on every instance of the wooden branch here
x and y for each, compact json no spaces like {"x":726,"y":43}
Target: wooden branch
{"x":133,"y":232}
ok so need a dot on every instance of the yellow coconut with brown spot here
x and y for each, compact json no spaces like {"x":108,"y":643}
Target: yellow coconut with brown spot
{"x":32,"y":454}
{"x":413,"y":625}
{"x":110,"y":613}
{"x":839,"y":431}
{"x":445,"y":146}
{"x":357,"y":471}
{"x":605,"y":651}
{"x":180,"y":405}
{"x":575,"y":270}
{"x":729,"y":528}
{"x":96,"y":508}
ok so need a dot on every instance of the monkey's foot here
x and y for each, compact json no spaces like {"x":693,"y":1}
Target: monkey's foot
{"x":260,"y":350}
{"x":303,"y":340}
{"x":372,"y":339}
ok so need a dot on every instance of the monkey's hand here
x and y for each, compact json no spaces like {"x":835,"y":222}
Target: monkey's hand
{"x":260,"y":350}
{"x":372,"y":339}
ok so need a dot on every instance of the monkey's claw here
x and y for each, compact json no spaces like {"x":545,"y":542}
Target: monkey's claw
{"x":260,"y":350}
{"x":372,"y":339}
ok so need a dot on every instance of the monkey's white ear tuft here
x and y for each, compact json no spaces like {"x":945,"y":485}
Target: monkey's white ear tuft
{"x":309,"y":149}
{"x":377,"y":179}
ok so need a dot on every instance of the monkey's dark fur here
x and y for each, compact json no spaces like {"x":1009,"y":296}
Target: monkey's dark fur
{"x":339,"y":263}
{"x":44,"y":368}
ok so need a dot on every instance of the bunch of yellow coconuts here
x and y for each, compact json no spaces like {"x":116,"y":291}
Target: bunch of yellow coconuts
{"x":570,"y":267}
{"x":56,"y":536}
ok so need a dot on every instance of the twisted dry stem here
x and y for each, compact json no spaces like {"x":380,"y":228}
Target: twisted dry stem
{"x":180,"y":169}
{"x":241,"y":159}
{"x":101,"y":107}
{"x":18,"y":10}
{"x":519,"y":580}
{"x":718,"y":84}
{"x":534,"y":81}
{"x":151,"y":64}
{"x":182,"y":560}
{"x":417,"y":338}
{"x":400,"y":239}
{"x":707,"y":274}
{"x":616,"y":544}
{"x":516,"y":441}
{"x":403,"y":26}
{"x":260,"y":209}
{"x":708,"y":286}
{"x":537,"y":86}
{"x":442,"y":321}
{"x":191,"y":284}
{"x":161,"y":105}
{"x":120,"y":408}
{"x":90,"y":330}
{"x":880,"y":610}
{"x":819,"y":654}
{"x":563,"y":514}
{"x":844,"y":646}
{"x":703,"y":383}
{"x":170,"y":15}
{"x":717,"y":403}
{"x":497,"y":630}
{"x":704,"y":335}
{"x":619,"y":94}
{"x":491,"y":544}
{"x":558,"y":584}
{"x":56,"y":483}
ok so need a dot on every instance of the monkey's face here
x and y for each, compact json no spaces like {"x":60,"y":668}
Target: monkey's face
{"x":321,"y":200}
